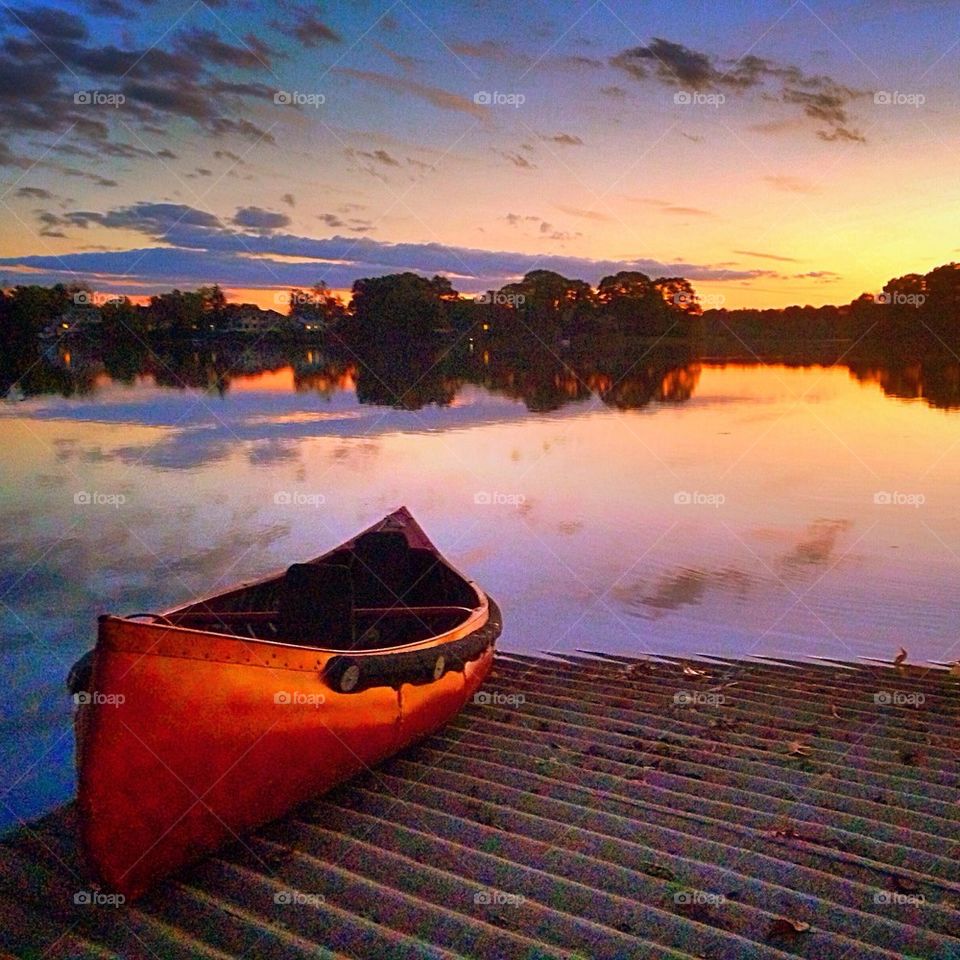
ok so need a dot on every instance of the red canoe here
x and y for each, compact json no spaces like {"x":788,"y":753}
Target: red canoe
{"x":196,"y":725}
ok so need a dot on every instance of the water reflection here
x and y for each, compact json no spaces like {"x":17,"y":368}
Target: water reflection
{"x":531,"y":469}
{"x":681,"y":588}
{"x":411,"y":379}
{"x":937,"y":382}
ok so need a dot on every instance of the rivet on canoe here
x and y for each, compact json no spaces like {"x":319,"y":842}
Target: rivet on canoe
{"x":350,"y":678}
{"x":438,"y":667}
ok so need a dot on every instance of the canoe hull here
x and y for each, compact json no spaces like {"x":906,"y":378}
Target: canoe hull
{"x":188,"y":740}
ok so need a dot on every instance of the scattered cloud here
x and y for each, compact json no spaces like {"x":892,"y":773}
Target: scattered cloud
{"x":151,"y":219}
{"x":515,"y":219}
{"x":443,"y":99}
{"x":419,"y":164}
{"x":819,"y":97}
{"x":577,"y":62}
{"x":228,"y":155}
{"x":564,"y":139}
{"x":249,"y":54}
{"x":52,"y":63}
{"x":686,"y":211}
{"x":666,"y":206}
{"x":405,"y":61}
{"x":487,"y":50}
{"x":584,"y":214}
{"x":671,"y":63}
{"x":34,"y":193}
{"x":381,"y":156}
{"x":824,"y":276}
{"x":256,"y":218}
{"x":766,"y":256}
{"x":519,"y":160}
{"x":308,"y":29}
{"x":790,"y":184}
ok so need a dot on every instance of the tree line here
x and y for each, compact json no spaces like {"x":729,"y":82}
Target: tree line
{"x":542,"y":308}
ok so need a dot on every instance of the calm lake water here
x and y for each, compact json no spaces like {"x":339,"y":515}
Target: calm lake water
{"x":755,"y":509}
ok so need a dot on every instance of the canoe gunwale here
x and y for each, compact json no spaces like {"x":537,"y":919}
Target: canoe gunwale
{"x":418,"y":667}
{"x":185,"y":643}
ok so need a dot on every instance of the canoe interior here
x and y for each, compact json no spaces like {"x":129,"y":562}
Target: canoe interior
{"x":374,"y":593}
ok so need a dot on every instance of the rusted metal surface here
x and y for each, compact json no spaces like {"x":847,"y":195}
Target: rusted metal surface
{"x":589,"y":807}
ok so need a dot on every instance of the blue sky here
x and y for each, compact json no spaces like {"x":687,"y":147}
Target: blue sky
{"x":773,"y":152}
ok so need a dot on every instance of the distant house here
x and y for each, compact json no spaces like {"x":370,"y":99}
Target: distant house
{"x":305,"y":323}
{"x":249,"y":318}
{"x":73,"y":322}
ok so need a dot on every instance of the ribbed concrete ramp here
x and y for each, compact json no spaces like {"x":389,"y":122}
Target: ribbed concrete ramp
{"x":591,"y":807}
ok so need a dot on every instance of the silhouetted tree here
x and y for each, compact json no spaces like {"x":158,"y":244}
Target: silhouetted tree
{"x":176,"y":313}
{"x":548,"y":304}
{"x":213,"y":303}
{"x":318,"y":304}
{"x":404,"y":304}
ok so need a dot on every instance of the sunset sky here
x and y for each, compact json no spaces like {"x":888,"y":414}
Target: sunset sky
{"x":772,"y":152}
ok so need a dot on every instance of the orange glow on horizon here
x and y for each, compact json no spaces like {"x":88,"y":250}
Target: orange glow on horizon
{"x":271,"y":299}
{"x":276,"y":381}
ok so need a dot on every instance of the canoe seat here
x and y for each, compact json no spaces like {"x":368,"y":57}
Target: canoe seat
{"x":316,"y":604}
{"x":381,"y":568}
